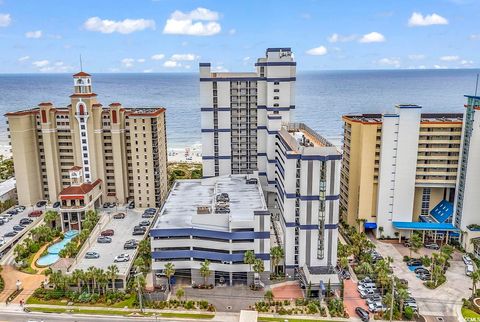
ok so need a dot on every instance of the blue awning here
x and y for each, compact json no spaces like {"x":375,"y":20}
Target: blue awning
{"x":370,"y":225}
{"x":442,"y":211}
{"x":407,"y":225}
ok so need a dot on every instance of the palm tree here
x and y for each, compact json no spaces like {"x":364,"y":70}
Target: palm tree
{"x":205,"y":270}
{"x":276,"y":255}
{"x":258,"y":266}
{"x":90,"y":277}
{"x":77,"y":277}
{"x":97,"y":277}
{"x":249,"y":258}
{"x":402,"y":295}
{"x":268,"y":296}
{"x":343,"y":262}
{"x":416,"y":243}
{"x":180,"y":293}
{"x":169,"y":270}
{"x":112,"y":272}
{"x":365,"y":268}
{"x":475,"y":278}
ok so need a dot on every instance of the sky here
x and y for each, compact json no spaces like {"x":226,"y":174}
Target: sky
{"x":49,"y":36}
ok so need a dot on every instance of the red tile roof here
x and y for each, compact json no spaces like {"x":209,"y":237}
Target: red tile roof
{"x":81,"y":74}
{"x":76,"y":167}
{"x":82,"y":189}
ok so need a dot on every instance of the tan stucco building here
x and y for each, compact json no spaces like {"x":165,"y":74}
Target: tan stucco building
{"x":119,"y":152}
{"x":419,"y":153}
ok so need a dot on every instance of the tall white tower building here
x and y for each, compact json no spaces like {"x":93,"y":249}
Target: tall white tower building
{"x":234,"y":109}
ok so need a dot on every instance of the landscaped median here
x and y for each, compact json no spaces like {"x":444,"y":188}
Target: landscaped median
{"x":115,"y":311}
{"x":285,"y":318}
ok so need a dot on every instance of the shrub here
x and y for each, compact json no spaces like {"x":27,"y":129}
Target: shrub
{"x":203,"y":305}
{"x":408,"y":313}
{"x":189,"y":305}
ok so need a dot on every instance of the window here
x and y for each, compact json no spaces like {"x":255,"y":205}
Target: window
{"x":276,"y":83}
{"x":276,"y":97}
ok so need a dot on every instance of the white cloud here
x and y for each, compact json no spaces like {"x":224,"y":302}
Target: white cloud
{"x":220,"y":68}
{"x":318,"y":51}
{"x":333,"y":38}
{"x":246,"y":58}
{"x":439,"y":67}
{"x":24,"y":58}
{"x":141,"y":60}
{"x":475,"y":37}
{"x":372,"y":37}
{"x":232,"y":31}
{"x":148,"y":70}
{"x":171,"y":64}
{"x":158,"y":57}
{"x":34,"y":34}
{"x":41,"y":63}
{"x":449,"y":58}
{"x":45,"y":66}
{"x":198,"y":22}
{"x":188,"y":66}
{"x":392,"y":62}
{"x":5,"y":19}
{"x":126,"y":26}
{"x":419,"y":20}
{"x":466,"y":63}
{"x":128,"y":62}
{"x":416,"y":57}
{"x":183,"y":57}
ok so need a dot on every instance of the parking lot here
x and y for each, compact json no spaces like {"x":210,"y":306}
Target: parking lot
{"x":108,"y":251}
{"x":14,"y":221}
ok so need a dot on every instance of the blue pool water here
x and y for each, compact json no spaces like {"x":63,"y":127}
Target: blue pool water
{"x":52,"y":256}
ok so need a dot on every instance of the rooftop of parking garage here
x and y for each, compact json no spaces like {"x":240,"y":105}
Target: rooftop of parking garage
{"x":191,"y":203}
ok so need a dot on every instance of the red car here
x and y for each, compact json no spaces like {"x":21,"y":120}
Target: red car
{"x":35,"y":213}
{"x":108,"y":232}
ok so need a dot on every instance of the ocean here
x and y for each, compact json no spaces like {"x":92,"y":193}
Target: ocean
{"x":322,"y":97}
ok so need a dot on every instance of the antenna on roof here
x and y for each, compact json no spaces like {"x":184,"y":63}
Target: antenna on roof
{"x":81,"y":64}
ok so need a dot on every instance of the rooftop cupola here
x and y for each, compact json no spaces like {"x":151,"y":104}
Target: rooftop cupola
{"x":82,"y":83}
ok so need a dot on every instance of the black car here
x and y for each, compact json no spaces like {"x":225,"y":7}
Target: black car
{"x":104,"y":239}
{"x":151,"y":210}
{"x":138,"y":232}
{"x":106,"y":205}
{"x":421,"y":270}
{"x":1,"y":222}
{"x":41,"y":203}
{"x":130,"y":244}
{"x":144,"y":223}
{"x":11,"y":233}
{"x":148,"y":215}
{"x":424,"y":276}
{"x":56,"y":204}
{"x":362,"y":313}
{"x":131,"y":205}
{"x":18,"y":228}
{"x":120,"y":215}
{"x":25,"y":221}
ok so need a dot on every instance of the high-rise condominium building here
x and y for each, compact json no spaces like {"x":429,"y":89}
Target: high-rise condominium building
{"x":234,"y":108}
{"x":399,"y":168}
{"x":64,"y":153}
{"x":247,"y":127}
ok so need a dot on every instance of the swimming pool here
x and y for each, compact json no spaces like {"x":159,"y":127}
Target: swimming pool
{"x":52,"y":256}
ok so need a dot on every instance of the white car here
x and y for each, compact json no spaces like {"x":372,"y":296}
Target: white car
{"x":122,"y":258}
{"x":5,"y":218}
{"x":467,"y":260}
{"x":2,"y":241}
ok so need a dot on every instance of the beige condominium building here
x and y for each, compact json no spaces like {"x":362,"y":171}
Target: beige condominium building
{"x":66,"y":153}
{"x":399,"y":168}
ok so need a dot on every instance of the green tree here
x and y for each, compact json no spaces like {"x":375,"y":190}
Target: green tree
{"x":180,"y":293}
{"x":268,"y":296}
{"x":402,"y":296}
{"x":343,"y":262}
{"x":276,"y":255}
{"x":364,"y":268}
{"x":258,"y":266}
{"x":112,"y":272}
{"x":249,"y":258}
{"x":51,"y":217}
{"x":416,"y":243}
{"x":169,"y":270}
{"x":77,"y":278}
{"x":475,"y":278}
{"x":91,"y":278}
{"x":205,"y":270}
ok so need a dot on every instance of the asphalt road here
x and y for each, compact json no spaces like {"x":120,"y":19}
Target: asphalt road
{"x":48,"y":317}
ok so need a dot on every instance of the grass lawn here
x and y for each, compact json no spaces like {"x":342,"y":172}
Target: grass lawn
{"x":28,"y":269}
{"x":128,"y":303}
{"x":467,"y":313}
{"x":290,"y":320}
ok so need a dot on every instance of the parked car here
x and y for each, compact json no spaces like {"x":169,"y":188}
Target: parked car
{"x":18,"y":228}
{"x":130,"y":244}
{"x":2,"y":221}
{"x":41,"y":203}
{"x":424,"y":276}
{"x":368,"y":293}
{"x":131,"y":205}
{"x":92,"y":255}
{"x":25,"y":221}
{"x":11,"y":233}
{"x":104,"y":240}
{"x":467,"y":260}
{"x":12,"y":212}
{"x":112,"y":205}
{"x":151,"y":210}
{"x":122,"y":258}
{"x":373,"y":299}
{"x":7,"y":216}
{"x":414,"y":262}
{"x":345,"y":274}
{"x":469,"y":270}
{"x":421,"y":270}
{"x":432,"y":246}
{"x":56,"y":204}
{"x":35,"y":213}
{"x":108,"y":232}
{"x":5,"y":219}
{"x":106,"y":205}
{"x":20,"y":208}
{"x":148,"y":215}
{"x":377,"y":307}
{"x":2,"y":241}
{"x":144,"y":223}
{"x":365,"y":286}
{"x":367,"y":280}
{"x":120,"y":215}
{"x":138,"y":232}
{"x":362,"y":314}
{"x":412,"y":305}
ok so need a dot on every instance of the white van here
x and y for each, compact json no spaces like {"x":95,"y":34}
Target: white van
{"x":469,"y":270}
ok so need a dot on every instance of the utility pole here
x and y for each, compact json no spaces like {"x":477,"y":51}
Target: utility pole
{"x":391,"y":302}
